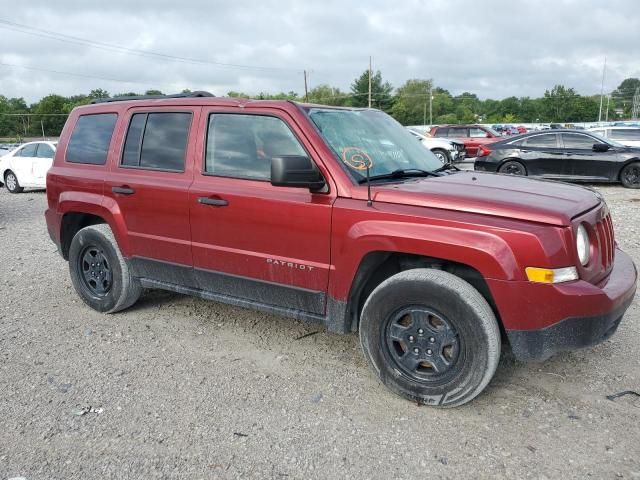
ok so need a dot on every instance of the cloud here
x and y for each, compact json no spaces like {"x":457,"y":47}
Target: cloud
{"x":492,"y":48}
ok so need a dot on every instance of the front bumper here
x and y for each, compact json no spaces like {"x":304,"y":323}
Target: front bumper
{"x":541,"y":320}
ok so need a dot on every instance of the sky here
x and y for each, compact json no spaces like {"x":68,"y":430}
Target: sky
{"x":494,"y":49}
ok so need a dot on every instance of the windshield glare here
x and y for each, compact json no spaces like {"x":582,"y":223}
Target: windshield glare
{"x":362,"y":138}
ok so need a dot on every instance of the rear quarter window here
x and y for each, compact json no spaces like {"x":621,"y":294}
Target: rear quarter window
{"x":89,"y":142}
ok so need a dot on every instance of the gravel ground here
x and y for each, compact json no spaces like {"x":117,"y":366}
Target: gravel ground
{"x":195,"y":389}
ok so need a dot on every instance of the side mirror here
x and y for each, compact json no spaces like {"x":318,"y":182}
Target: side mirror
{"x":600,"y":147}
{"x":295,"y":171}
{"x":488,"y":135}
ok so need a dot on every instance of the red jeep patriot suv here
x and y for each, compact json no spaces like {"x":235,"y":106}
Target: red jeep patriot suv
{"x":337,"y":216}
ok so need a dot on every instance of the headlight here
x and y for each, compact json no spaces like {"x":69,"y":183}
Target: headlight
{"x":582,"y":244}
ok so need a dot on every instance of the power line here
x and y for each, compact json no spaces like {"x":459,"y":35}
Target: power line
{"x":29,"y":30}
{"x":82,"y":75}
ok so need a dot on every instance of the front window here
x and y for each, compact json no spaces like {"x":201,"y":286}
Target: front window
{"x":362,"y":138}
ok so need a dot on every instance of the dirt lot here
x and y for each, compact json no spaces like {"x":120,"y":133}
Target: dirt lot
{"x":194,"y":389}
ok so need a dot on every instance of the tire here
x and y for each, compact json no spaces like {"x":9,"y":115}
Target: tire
{"x":630,"y":175}
{"x":513,"y":168}
{"x":446,"y":315}
{"x":99,"y":273}
{"x":11,"y":182}
{"x":441,"y":155}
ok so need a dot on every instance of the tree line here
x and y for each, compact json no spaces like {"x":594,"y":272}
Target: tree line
{"x":410,"y":104}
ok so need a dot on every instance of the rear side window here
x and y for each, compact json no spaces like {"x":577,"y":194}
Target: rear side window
{"x":45,"y":151}
{"x":548,"y":140}
{"x":442,"y":132}
{"x":458,"y":132}
{"x":157,"y":141}
{"x":90,"y":139}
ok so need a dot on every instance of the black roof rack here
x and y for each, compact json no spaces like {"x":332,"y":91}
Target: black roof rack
{"x":198,"y":93}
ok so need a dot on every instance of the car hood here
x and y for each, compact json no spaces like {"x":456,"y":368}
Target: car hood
{"x":519,"y":198}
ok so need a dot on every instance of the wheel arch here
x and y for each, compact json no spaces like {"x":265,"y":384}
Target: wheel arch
{"x":378,"y":266}
{"x":624,"y":165}
{"x":81,"y":209}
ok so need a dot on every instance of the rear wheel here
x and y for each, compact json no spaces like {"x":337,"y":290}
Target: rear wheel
{"x":99,"y":273}
{"x":431,"y":337}
{"x":630,"y":175}
{"x":513,"y":168}
{"x":11,"y":182}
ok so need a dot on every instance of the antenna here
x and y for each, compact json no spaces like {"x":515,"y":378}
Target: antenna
{"x":369,"y":202}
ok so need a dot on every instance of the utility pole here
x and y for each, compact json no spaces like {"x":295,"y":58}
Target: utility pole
{"x":306,"y":92}
{"x":42,"y":126}
{"x":635,"y":113}
{"x":604,"y":71}
{"x":424,"y":114}
{"x":430,"y":102}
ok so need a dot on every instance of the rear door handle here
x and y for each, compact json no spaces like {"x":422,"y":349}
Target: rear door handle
{"x":124,"y":190}
{"x":214,"y":202}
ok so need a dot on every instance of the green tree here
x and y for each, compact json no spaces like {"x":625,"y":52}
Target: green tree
{"x":153,"y":92}
{"x":327,"y":95}
{"x":98,"y":93}
{"x":558,"y":104}
{"x":623,"y":95}
{"x":48,"y":115}
{"x":411,"y":102}
{"x":380,"y":92}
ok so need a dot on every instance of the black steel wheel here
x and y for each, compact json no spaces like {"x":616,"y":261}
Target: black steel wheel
{"x":630,"y":175}
{"x":11,"y":182}
{"x":431,"y":337}
{"x":97,"y":277}
{"x":422,"y":343}
{"x":513,"y":168}
{"x":100,"y":274}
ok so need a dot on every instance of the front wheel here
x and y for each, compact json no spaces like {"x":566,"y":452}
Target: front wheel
{"x":431,"y":337}
{"x":513,"y":168}
{"x":11,"y":182}
{"x":441,"y":155}
{"x":99,"y":273}
{"x":630,"y":175}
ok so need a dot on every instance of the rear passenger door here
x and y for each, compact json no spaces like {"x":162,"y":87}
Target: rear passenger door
{"x":149,"y":182}
{"x":252,"y":240}
{"x":42,"y":162}
{"x":543,"y":156}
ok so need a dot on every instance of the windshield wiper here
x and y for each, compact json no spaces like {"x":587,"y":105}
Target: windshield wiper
{"x":402,"y":173}
{"x":447,"y":166}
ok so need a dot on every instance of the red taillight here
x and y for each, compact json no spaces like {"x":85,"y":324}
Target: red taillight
{"x":483,"y":151}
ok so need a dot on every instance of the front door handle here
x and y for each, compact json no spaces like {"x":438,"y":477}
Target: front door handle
{"x":214,"y":202}
{"x":124,"y":190}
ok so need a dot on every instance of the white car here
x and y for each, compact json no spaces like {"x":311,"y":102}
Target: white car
{"x":629,"y":136}
{"x":27,"y":166}
{"x":447,"y":151}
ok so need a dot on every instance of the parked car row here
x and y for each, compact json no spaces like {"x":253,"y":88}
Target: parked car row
{"x":27,"y":166}
{"x":565,"y":154}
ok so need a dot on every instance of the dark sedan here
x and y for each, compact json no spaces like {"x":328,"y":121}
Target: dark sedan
{"x":562,"y":155}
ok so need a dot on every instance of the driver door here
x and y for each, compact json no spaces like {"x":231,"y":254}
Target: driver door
{"x":22,"y":164}
{"x":250,"y":239}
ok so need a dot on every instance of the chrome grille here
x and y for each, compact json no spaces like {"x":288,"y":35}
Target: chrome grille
{"x":606,"y":241}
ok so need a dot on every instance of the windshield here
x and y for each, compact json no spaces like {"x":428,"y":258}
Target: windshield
{"x":371,"y":138}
